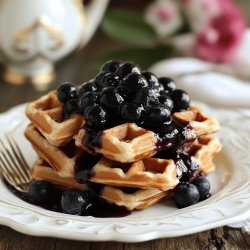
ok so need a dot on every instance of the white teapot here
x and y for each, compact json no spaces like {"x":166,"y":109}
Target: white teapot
{"x":34,"y":34}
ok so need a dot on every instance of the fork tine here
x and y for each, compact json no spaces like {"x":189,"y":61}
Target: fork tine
{"x":22,"y":164}
{"x":6,"y":173}
{"x":8,"y":162}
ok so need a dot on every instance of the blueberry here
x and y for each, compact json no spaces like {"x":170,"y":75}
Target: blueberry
{"x":151,"y":78}
{"x":181,"y":100}
{"x":203,"y":186}
{"x":166,"y":100}
{"x":157,"y":116}
{"x":133,"y":82}
{"x":131,"y":112}
{"x":167,"y":83}
{"x":145,"y":96}
{"x":95,"y":116}
{"x":189,"y":168}
{"x":111,"y":99}
{"x":126,"y":69}
{"x":110,"y":79}
{"x":82,"y":176}
{"x":66,"y":91}
{"x":40,"y":192}
{"x":71,"y":107}
{"x":169,"y":132}
{"x":99,"y":77}
{"x":75,"y":202}
{"x":88,"y":87}
{"x":159,"y":88}
{"x":86,"y":100}
{"x":111,"y":66}
{"x":186,"y":194}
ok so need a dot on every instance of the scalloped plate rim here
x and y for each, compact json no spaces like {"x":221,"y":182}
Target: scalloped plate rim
{"x":120,"y":237}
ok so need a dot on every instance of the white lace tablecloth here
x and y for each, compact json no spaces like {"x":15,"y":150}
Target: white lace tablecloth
{"x":216,"y":85}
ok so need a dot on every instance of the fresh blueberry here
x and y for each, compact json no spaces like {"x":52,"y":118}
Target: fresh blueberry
{"x":82,"y":176}
{"x":71,"y":107}
{"x":95,"y":116}
{"x":110,"y":79}
{"x":186,"y":194}
{"x":40,"y":192}
{"x":159,"y":88}
{"x":99,"y":77}
{"x":151,"y":78}
{"x":133,"y":82}
{"x":203,"y":186}
{"x":88,"y":87}
{"x":166,"y":100}
{"x":169,"y":132}
{"x":66,"y":91}
{"x":189,"y":168}
{"x":131,"y":112}
{"x":127,"y":68}
{"x":157,"y":116}
{"x":86,"y":100}
{"x":111,"y":66}
{"x":145,"y":96}
{"x":181,"y":100}
{"x":168,"y":84}
{"x":75,"y":202}
{"x":111,"y":99}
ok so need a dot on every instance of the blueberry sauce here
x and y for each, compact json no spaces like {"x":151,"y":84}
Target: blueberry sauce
{"x":83,"y":163}
{"x":92,"y":139}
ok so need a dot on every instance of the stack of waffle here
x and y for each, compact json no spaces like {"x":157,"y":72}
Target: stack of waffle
{"x":123,"y":162}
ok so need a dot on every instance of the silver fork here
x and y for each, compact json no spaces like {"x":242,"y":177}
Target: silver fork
{"x":13,"y":166}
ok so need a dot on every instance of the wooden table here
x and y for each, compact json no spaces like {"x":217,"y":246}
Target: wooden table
{"x":78,"y":68}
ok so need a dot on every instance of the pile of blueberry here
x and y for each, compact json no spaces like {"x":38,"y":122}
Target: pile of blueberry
{"x":72,"y":201}
{"x":120,"y":93}
{"x":187,"y":194}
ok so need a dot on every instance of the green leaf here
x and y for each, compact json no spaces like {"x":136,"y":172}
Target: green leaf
{"x":144,"y":57}
{"x":127,"y":26}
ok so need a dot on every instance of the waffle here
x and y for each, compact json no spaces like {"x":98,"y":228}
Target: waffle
{"x":201,"y":123}
{"x":62,"y":159}
{"x":43,"y":171}
{"x":130,"y":143}
{"x":46,"y":114}
{"x":146,"y":173}
{"x":204,"y":151}
{"x":137,"y":199}
{"x":123,"y":143}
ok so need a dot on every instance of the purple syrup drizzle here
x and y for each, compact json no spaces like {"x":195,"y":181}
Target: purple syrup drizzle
{"x":92,"y":139}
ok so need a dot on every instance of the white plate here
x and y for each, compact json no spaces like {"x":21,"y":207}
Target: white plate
{"x":229,"y":203}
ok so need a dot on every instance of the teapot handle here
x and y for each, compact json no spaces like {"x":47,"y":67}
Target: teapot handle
{"x":94,"y":13}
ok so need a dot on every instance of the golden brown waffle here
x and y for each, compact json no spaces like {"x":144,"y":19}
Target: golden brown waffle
{"x":137,"y":199}
{"x":146,"y":173}
{"x":43,"y":171}
{"x":62,"y":159}
{"x":204,"y":151}
{"x":212,"y":143}
{"x":130,"y":143}
{"x":46,"y":114}
{"x":123,"y":143}
{"x":201,"y":123}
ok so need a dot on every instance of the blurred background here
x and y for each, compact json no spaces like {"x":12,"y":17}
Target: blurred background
{"x":172,"y":37}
